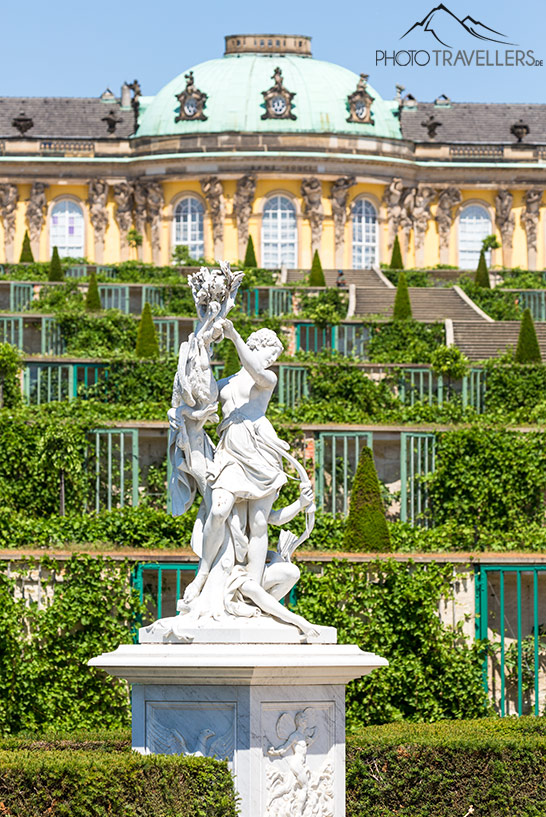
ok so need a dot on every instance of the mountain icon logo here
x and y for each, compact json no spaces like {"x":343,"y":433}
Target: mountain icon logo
{"x":445,"y":26}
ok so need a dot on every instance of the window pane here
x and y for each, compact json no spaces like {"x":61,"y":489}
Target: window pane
{"x":364,"y":220}
{"x":474,"y":226}
{"x":188,"y":226}
{"x":66,"y":229}
{"x":279,"y":233}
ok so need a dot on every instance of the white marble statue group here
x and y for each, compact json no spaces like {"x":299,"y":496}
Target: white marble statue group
{"x":240,"y":580}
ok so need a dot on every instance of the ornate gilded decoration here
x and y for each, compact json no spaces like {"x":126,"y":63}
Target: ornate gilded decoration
{"x":22,"y":123}
{"x":278,"y":101}
{"x":8,"y":211}
{"x":360,"y":103}
{"x":112,"y":121}
{"x":242,"y":207}
{"x":154,"y":204}
{"x":520,"y":130}
{"x":311,"y":191}
{"x":98,"y":196}
{"x":449,"y":198}
{"x":213,"y":191}
{"x":192,"y":101}
{"x":36,"y":211}
{"x":432,"y":125}
{"x":339,"y":196}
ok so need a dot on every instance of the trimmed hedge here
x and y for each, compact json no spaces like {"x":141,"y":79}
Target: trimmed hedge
{"x":104,"y":778}
{"x":495,"y":766}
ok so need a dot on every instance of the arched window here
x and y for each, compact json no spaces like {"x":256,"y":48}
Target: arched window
{"x":188,"y":226}
{"x":364,"y":234}
{"x":66,"y":229}
{"x":474,"y":226}
{"x":279,"y":233}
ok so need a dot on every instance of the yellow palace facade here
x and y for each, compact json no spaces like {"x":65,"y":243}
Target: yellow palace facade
{"x":267,"y":141}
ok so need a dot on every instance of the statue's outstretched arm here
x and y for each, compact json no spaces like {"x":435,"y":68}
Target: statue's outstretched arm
{"x":286,"y":514}
{"x":263,"y":377}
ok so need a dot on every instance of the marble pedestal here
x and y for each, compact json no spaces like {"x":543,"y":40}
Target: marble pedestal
{"x":276,"y":712}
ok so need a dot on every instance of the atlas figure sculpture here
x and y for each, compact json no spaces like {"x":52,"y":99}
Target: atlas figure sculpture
{"x":239,"y":575}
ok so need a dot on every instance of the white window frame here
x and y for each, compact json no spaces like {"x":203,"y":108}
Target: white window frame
{"x":469,"y":256}
{"x":189,"y":231}
{"x":59,"y":235}
{"x":364,"y":252}
{"x":278,"y":247}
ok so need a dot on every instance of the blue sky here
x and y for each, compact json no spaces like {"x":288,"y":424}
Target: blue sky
{"x":66,"y":49}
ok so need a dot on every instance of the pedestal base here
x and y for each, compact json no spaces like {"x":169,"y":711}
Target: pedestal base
{"x":276,"y":712}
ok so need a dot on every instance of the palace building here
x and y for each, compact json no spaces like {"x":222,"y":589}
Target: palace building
{"x":268,"y":141}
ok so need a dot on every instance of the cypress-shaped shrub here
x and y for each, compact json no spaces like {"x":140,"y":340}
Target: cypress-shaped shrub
{"x":250,"y":255}
{"x":402,"y":304}
{"x":147,"y":345}
{"x":366,"y":528}
{"x":92,"y":298}
{"x":528,"y":350}
{"x":316,"y":277}
{"x":26,"y":251}
{"x":55,"y":269}
{"x":396,"y":257}
{"x":482,"y":273}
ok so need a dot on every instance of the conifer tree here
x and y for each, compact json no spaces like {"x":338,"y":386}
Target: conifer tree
{"x":528,"y":350}
{"x":316,"y":277}
{"x":396,"y":257}
{"x":147,"y":345}
{"x":250,"y":256}
{"x":92,"y":298}
{"x":482,"y":273}
{"x":366,"y":528}
{"x":402,"y":304}
{"x":55,"y":268}
{"x":26,"y":251}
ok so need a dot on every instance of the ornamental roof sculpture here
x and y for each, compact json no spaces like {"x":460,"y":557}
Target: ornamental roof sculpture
{"x":360,"y":103}
{"x":192,"y":101}
{"x":278,"y":100}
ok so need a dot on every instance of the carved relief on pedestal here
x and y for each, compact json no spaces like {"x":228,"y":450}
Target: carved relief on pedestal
{"x":392,"y":199}
{"x":123,"y":197}
{"x":311,"y":191}
{"x":529,"y":221}
{"x":242,"y":208}
{"x":299,"y":782}
{"x":36,"y":215}
{"x":213,"y":192}
{"x":187,"y":728}
{"x":8,"y":211}
{"x":98,"y":196}
{"x":505,"y":220}
{"x":424,"y":197}
{"x":154,"y":204}
{"x":449,"y":198}
{"x":339,"y":196}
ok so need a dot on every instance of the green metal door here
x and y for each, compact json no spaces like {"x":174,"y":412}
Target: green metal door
{"x":292,"y":385}
{"x":336,"y":460}
{"x":511,"y":616}
{"x":11,"y":331}
{"x":114,"y":296}
{"x":113,"y":458}
{"x":20,"y":296}
{"x":417,"y":460}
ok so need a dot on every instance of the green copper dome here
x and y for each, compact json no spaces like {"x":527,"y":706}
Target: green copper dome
{"x":234,"y":86}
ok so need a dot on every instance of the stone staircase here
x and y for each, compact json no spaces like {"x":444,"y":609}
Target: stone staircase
{"x":480,"y":342}
{"x":360,"y":277}
{"x":428,"y":305}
